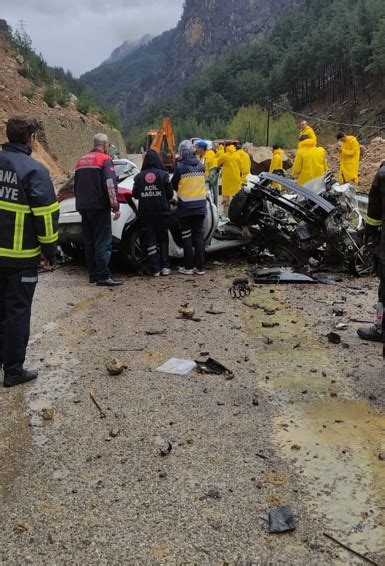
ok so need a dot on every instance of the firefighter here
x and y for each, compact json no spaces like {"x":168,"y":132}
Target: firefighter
{"x":29,"y":214}
{"x":375,"y":220}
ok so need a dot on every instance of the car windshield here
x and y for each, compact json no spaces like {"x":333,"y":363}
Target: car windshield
{"x":125,"y":169}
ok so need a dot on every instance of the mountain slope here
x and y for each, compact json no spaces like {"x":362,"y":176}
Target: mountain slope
{"x":207,"y":28}
{"x":127,"y":48}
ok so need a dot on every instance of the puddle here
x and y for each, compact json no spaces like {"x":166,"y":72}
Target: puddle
{"x":337,"y":443}
{"x":331,"y":439}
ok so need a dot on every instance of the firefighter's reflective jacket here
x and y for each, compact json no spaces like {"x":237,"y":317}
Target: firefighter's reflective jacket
{"x":29,"y":211}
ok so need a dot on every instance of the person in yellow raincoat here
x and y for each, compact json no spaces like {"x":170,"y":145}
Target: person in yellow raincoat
{"x":310,"y":161}
{"x":306,"y":130}
{"x":276,"y":164}
{"x":245,"y":164}
{"x":350,"y":152}
{"x":231,"y":165}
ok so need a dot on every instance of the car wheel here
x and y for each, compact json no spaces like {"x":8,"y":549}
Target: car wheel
{"x":72,"y":251}
{"x":363,"y":263}
{"x":238,"y":211}
{"x":133,"y":250}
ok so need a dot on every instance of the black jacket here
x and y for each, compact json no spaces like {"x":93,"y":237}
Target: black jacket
{"x":96,"y":186}
{"x":152,"y":188}
{"x":375,"y":218}
{"x":29,"y":211}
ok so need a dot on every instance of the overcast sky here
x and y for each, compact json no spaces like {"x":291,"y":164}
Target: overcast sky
{"x":80,"y":34}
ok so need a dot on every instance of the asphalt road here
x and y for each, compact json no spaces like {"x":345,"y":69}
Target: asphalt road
{"x":300,"y":425}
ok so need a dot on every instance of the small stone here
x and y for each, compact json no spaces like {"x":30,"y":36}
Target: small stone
{"x":114,"y":432}
{"x":47,"y":414}
{"x":382,"y":456}
{"x":255,"y":401}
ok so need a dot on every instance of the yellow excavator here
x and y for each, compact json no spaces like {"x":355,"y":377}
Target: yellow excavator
{"x":163,"y":142}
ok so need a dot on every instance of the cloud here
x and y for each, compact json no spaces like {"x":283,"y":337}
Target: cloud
{"x":79,"y":35}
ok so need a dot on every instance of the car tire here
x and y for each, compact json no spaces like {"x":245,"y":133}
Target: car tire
{"x":132,"y":249}
{"x":238,"y":210}
{"x":73,"y":251}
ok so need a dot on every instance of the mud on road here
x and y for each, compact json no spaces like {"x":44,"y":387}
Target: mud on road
{"x":301,"y":424}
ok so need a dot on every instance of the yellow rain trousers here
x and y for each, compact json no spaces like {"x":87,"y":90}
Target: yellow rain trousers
{"x":231,"y":164}
{"x":349,"y":160}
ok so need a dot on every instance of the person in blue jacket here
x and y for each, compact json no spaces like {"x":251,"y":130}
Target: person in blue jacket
{"x":189,"y":183}
{"x":153,"y":190}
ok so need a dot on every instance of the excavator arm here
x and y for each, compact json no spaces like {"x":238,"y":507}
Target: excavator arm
{"x":163,"y":142}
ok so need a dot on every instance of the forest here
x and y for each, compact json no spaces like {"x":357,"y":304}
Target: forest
{"x":322,"y":51}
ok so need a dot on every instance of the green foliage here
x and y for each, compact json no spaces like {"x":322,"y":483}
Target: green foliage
{"x":50,"y":95}
{"x":250,"y":125}
{"x":86,"y":103}
{"x":56,"y":94}
{"x":112,"y":118}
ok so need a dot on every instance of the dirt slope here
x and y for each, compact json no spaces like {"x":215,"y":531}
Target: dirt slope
{"x":65,"y":132}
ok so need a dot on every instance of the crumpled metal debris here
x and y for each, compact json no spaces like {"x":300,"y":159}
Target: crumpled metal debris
{"x":240,"y":288}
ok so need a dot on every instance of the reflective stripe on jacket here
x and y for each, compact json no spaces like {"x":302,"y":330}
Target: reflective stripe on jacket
{"x":29,"y":211}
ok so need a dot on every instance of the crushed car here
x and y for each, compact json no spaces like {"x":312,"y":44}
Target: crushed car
{"x":321,"y":224}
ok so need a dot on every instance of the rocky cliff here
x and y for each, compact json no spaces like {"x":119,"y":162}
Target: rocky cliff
{"x":64,"y":132}
{"x":127,"y":48}
{"x":206,"y":29}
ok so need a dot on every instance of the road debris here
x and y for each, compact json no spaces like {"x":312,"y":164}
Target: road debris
{"x":20,"y":527}
{"x":95,"y":402}
{"x":280,"y":275}
{"x":155,"y":332}
{"x":334,"y":338}
{"x":164,"y":446}
{"x":187,"y":312}
{"x":240,"y":288}
{"x":281,"y":520}
{"x":210,"y":366}
{"x":115,"y":366}
{"x":177,"y":366}
{"x":47,"y":414}
{"x":365,"y":558}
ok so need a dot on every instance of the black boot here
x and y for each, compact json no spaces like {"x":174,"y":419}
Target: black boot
{"x":10,"y":380}
{"x":370,"y":334}
{"x":110,"y":282}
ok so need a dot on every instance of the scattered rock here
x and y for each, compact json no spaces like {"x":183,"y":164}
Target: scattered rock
{"x":334,"y":338}
{"x":281,"y":520}
{"x":187,"y":312}
{"x":20,"y":59}
{"x":155,"y":332}
{"x":255,"y":401}
{"x":382,"y":456}
{"x":115,"y":366}
{"x":47,"y":414}
{"x":20,"y":527}
{"x":114,"y":432}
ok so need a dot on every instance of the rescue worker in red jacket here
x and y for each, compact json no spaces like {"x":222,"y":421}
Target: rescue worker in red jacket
{"x":96,"y":192}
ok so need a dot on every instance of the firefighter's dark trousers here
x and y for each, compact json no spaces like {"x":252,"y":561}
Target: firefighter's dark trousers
{"x":17,"y":287}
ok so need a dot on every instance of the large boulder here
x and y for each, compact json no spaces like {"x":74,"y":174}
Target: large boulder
{"x":261,"y":158}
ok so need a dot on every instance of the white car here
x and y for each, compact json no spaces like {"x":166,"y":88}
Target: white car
{"x":127,"y":232}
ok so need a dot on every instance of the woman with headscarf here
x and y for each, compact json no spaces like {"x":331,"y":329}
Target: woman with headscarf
{"x":189,"y":183}
{"x":153,"y":190}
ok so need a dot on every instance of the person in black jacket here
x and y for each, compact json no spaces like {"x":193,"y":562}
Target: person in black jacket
{"x":153,"y":190}
{"x":375,"y":232}
{"x":29,"y":215}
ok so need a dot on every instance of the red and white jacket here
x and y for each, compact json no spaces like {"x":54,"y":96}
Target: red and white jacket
{"x":96,"y":186}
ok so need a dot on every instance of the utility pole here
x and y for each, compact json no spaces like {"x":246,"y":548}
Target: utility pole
{"x":21,"y":26}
